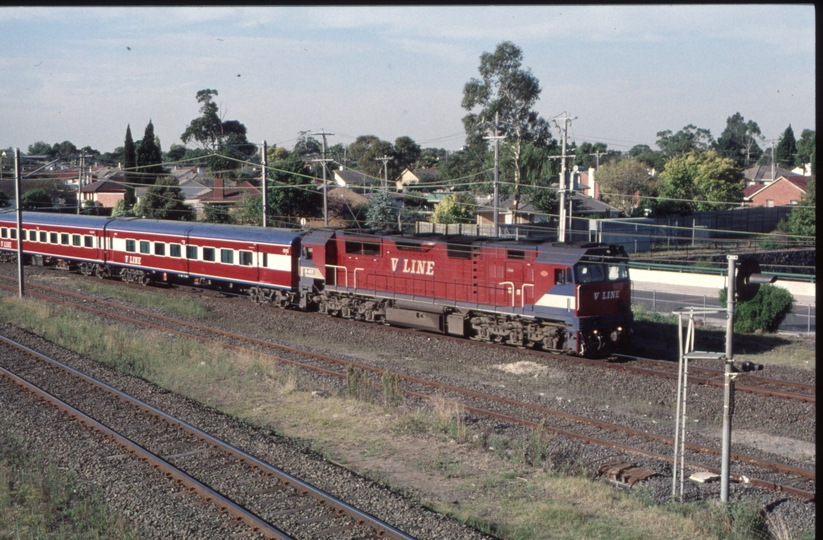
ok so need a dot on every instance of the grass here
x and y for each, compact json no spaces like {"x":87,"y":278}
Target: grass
{"x":655,"y":335}
{"x":37,"y":500}
{"x":508,"y":486}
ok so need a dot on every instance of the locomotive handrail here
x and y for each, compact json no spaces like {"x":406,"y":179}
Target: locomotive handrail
{"x":507,"y":283}
{"x":335,"y":275}
{"x":523,"y":294}
{"x":355,"y":277}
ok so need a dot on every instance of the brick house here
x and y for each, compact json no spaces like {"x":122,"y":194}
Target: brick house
{"x":784,"y":191}
{"x":415,"y":176}
{"x":106,"y":191}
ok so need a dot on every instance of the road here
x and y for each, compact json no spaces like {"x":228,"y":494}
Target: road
{"x":800,"y":321}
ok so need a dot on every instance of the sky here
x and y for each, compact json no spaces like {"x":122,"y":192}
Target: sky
{"x":625,"y":72}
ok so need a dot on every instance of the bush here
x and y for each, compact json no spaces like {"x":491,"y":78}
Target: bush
{"x":764,"y":312}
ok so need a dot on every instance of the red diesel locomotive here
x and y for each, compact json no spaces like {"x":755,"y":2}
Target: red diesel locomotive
{"x":573,"y":298}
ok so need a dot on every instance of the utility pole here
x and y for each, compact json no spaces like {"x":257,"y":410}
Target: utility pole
{"x":18,"y":183}
{"x":80,"y":184}
{"x":264,"y":183}
{"x":561,"y":231}
{"x":496,"y":197}
{"x":325,"y":188}
{"x":385,"y":160}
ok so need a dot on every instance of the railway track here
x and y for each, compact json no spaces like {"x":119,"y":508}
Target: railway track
{"x":268,"y":501}
{"x":487,"y":405}
{"x":754,"y":383}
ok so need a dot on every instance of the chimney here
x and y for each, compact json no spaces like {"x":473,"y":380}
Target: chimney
{"x":218,"y":188}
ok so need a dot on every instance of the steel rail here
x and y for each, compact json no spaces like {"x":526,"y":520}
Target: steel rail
{"x":240,"y":514}
{"x":776,"y":467}
{"x":323,"y":498}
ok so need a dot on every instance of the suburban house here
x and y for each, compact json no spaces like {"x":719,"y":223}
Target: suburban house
{"x":415,"y":176}
{"x":356,"y":180}
{"x":763,"y":174}
{"x":581,"y":206}
{"x":106,"y":190}
{"x":227,"y":195}
{"x":787,"y":190}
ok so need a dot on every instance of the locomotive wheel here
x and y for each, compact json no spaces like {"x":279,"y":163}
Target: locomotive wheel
{"x":86,"y":269}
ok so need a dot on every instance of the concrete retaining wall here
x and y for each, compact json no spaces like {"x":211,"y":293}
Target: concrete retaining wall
{"x":658,"y":278}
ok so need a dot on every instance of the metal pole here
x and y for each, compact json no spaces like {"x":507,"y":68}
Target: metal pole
{"x":728,"y":384}
{"x":679,"y":398}
{"x":496,"y":214}
{"x":17,"y":201}
{"x":264,"y":182}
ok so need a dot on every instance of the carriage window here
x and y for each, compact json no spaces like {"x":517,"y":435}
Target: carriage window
{"x":589,"y":273}
{"x":208,"y":254}
{"x":174,"y":250}
{"x":618,"y":272}
{"x":75,"y":240}
{"x":191,"y":252}
{"x":64,"y":239}
{"x":23,"y":234}
{"x":131,"y":246}
{"x":516,"y":254}
{"x":266,"y":260}
{"x":53,"y":238}
{"x":159,"y":248}
{"x":145,"y":246}
{"x":227,"y":256}
{"x":44,"y":236}
{"x":245,"y":258}
{"x":4,"y":233}
{"x":89,"y":241}
{"x":562,"y":276}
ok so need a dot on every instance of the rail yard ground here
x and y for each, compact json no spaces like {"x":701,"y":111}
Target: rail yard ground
{"x":429,"y":453}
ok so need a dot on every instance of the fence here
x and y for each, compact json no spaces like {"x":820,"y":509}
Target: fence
{"x":800,"y":320}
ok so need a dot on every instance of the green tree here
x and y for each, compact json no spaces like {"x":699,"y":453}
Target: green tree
{"x":806,"y":147}
{"x":472,"y":165}
{"x":689,"y":139}
{"x":764,"y":312}
{"x":508,"y":92}
{"x":430,"y":157}
{"x":63,"y":149}
{"x":458,"y":208}
{"x":406,"y":153}
{"x":786,"y":151}
{"x":149,"y":157}
{"x":217,"y":213}
{"x":643,"y":153}
{"x":621,"y":182}
{"x":739,"y":141}
{"x":382,"y":212}
{"x":36,"y":199}
{"x":41,"y":148}
{"x":802,"y":220}
{"x":699,"y":181}
{"x":176,"y":153}
{"x":4,"y":199}
{"x":120,"y":210}
{"x":130,"y":168}
{"x":164,"y":200}
{"x":366,"y":149}
{"x":225,"y":141}
{"x":292,"y":194}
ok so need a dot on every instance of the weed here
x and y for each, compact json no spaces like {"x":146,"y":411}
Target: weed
{"x":392,"y":392}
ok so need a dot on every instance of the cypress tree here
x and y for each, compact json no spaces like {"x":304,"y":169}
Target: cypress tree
{"x":129,"y":163}
{"x":149,"y":157}
{"x":786,"y":150}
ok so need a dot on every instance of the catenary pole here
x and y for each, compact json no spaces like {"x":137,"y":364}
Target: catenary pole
{"x":264,"y":183}
{"x":18,"y":183}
